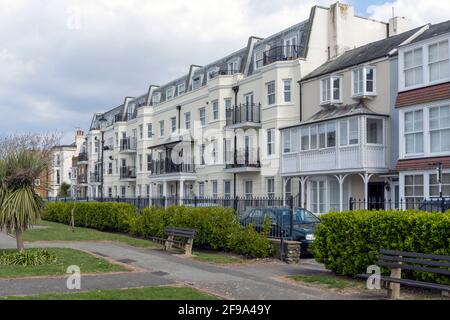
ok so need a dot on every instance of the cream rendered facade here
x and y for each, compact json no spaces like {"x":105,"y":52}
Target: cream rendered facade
{"x":235,"y":108}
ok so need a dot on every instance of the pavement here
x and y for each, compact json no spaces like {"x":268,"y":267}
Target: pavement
{"x":248,"y":281}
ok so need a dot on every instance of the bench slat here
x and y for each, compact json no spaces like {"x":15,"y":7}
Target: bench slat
{"x":180,"y":232}
{"x":415,"y":261}
{"x":414,"y":268}
{"x":411,"y":283}
{"x":414,"y":254}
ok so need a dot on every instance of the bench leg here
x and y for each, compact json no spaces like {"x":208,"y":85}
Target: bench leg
{"x":394,"y":288}
{"x":188,"y":247}
{"x":168,"y":244}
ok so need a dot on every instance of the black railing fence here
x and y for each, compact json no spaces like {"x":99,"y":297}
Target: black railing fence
{"x":430,"y":205}
{"x":243,"y":113}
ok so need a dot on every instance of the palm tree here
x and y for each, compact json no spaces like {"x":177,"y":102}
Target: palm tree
{"x":20,"y":205}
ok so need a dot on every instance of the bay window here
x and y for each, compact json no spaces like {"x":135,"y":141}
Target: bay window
{"x":271,"y":93}
{"x":413,"y":67}
{"x":331,"y":135}
{"x":290,"y":141}
{"x":349,"y":132}
{"x":438,"y":59}
{"x":374,"y":131}
{"x":322,"y":141}
{"x":364,"y":81}
{"x":305,"y":139}
{"x":270,"y":142}
{"x":414,"y":132}
{"x":313,"y":137}
{"x":439,"y":129}
{"x":330,"y":89}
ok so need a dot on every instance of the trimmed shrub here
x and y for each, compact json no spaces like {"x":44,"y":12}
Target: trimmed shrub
{"x":104,"y":216}
{"x":27,"y":258}
{"x":217,"y":228}
{"x":349,"y":242}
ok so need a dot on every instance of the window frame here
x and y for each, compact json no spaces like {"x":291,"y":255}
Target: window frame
{"x":271,"y":95}
{"x":327,"y":86}
{"x":187,"y":120}
{"x":215,"y":110}
{"x":414,"y":132}
{"x":382,"y":132}
{"x":202,"y":116}
{"x":270,"y":142}
{"x":170,"y":90}
{"x":291,"y":142}
{"x":364,"y":92}
{"x":173,"y":125}
{"x":289,"y":91}
{"x":161,"y":128}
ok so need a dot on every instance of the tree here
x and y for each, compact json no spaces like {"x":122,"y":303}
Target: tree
{"x":23,"y":159}
{"x":64,"y":191}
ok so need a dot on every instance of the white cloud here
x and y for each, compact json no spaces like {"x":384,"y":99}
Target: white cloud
{"x":419,"y":12}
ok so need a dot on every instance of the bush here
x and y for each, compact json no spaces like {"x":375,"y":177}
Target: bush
{"x":217,"y":228}
{"x":349,"y":242}
{"x":27,"y":258}
{"x":104,"y":216}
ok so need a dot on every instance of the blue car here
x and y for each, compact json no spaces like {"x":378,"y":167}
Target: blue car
{"x":303,"y":226}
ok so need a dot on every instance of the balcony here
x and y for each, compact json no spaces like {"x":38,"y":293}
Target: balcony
{"x":218,"y":73}
{"x":127,"y":173}
{"x":246,"y":160}
{"x":83,"y":179}
{"x":244,"y":116}
{"x":282,"y":53}
{"x":168,"y":167}
{"x":335,"y":159}
{"x":128,"y":145}
{"x":94,"y":177}
{"x":83,"y":157}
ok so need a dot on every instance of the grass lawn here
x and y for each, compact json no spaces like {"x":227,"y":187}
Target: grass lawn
{"x":217,"y":257}
{"x":66,"y":258}
{"x":151,"y":293}
{"x":329,"y":281}
{"x":60,"y":232}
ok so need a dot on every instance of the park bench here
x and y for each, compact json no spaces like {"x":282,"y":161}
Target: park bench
{"x":397,"y":261}
{"x":175,"y":234}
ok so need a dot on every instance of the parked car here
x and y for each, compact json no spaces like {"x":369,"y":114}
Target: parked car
{"x":303,"y":227}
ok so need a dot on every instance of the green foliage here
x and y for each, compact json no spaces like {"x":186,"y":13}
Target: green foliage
{"x":104,"y":216}
{"x":27,"y":258}
{"x":64,"y":191}
{"x":217,"y":228}
{"x":349,"y":242}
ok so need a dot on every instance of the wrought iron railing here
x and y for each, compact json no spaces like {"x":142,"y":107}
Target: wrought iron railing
{"x":282,"y":53}
{"x":243,"y":113}
{"x":166,"y":166}
{"x":128,"y":144}
{"x":127,"y":172}
{"x":245,"y":158}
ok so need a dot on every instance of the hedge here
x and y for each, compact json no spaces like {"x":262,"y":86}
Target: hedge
{"x":116,"y":217}
{"x":349,"y":242}
{"x":217,"y":228}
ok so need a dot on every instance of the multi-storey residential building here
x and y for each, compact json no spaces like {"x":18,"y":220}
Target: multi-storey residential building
{"x":227,"y":115}
{"x":347,"y":145}
{"x":80,"y":170}
{"x":423,"y":104}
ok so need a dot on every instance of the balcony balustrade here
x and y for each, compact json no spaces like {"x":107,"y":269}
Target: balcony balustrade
{"x":244,"y":115}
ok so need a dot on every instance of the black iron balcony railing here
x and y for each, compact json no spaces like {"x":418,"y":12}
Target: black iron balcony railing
{"x":244,"y":113}
{"x":282,"y":53}
{"x":245,"y":158}
{"x":82,"y":178}
{"x":167,"y":166}
{"x":82,"y":157}
{"x":127,"y":172}
{"x":94,"y":177}
{"x":128,"y":144}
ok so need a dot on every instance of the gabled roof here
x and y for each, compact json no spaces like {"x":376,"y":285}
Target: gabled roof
{"x":372,"y":51}
{"x":434,"y":31}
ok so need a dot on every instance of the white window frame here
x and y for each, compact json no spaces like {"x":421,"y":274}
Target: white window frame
{"x":246,"y":193}
{"x":364,"y":92}
{"x":226,"y":194}
{"x":287,"y":90}
{"x":271,"y":94}
{"x":327,"y":86}
{"x":181,"y":88}
{"x":173,"y":124}
{"x":161,"y":128}
{"x":347,"y":141}
{"x":200,"y":77}
{"x":187,"y":120}
{"x":271,"y":142}
{"x":414,"y":131}
{"x":215,"y":110}
{"x":150,"y":131}
{"x":382,"y":131}
{"x":235,"y":65}
{"x":288,"y":135}
{"x":215,"y":188}
{"x":443,"y":43}
{"x":202,"y":117}
{"x":156,"y":98}
{"x":258,"y":59}
{"x":270,"y":187}
{"x":170,"y":93}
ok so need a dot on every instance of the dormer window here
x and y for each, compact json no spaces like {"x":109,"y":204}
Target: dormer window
{"x":331,"y":90}
{"x":181,"y":88}
{"x":170,"y":92}
{"x":259,"y":59}
{"x":213,"y":72}
{"x":233,"y":66}
{"x":196,"y":82}
{"x":364,"y":82}
{"x":156,"y":98}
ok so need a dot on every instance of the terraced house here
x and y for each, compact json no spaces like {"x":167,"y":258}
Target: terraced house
{"x":215,"y":130}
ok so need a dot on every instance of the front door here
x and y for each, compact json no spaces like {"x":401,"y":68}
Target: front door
{"x":376,"y":195}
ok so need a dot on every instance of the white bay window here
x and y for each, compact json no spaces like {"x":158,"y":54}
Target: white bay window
{"x":331,"y":90}
{"x":290,"y":141}
{"x":364,"y":81}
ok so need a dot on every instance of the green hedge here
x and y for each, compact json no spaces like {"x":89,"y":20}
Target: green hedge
{"x":349,"y":242}
{"x":103,"y":216}
{"x":217,"y":228}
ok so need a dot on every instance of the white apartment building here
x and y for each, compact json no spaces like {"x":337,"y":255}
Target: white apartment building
{"x":423,"y":104}
{"x":215,"y":130}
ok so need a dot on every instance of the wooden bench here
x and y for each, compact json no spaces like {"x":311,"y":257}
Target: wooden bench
{"x":402,"y":260}
{"x":187,"y":235}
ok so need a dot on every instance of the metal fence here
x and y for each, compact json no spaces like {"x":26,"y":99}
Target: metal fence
{"x":431,"y":205}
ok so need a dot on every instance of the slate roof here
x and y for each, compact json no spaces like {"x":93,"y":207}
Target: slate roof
{"x":434,"y":31}
{"x":334,"y":112}
{"x":366,"y":53}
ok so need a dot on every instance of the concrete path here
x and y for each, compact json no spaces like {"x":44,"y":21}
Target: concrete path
{"x":244,"y":281}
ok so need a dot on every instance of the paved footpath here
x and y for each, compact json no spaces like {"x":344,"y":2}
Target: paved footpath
{"x":243,"y":281}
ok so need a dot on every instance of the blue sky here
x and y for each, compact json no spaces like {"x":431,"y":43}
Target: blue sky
{"x":61,"y":61}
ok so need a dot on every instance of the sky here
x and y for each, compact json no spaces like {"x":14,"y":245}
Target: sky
{"x":61,"y":61}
